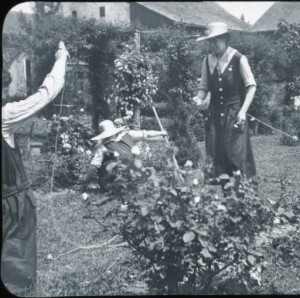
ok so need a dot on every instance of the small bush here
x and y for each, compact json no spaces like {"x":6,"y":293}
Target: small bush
{"x":186,"y":233}
{"x":74,"y":150}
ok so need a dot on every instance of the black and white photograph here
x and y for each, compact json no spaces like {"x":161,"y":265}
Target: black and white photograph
{"x":150,"y":148}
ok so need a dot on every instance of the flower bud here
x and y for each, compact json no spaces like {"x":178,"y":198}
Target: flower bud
{"x":188,"y":164}
{"x":197,"y":199}
{"x":85,"y":196}
{"x":135,"y":150}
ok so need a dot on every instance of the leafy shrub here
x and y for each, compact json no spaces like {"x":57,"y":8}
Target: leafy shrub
{"x":290,"y":125}
{"x":185,"y":232}
{"x":135,"y":83}
{"x":74,"y":150}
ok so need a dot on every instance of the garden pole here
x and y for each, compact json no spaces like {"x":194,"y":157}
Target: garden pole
{"x":56,"y":138}
{"x":295,"y":138}
{"x":167,"y":141}
{"x":137,"y":109}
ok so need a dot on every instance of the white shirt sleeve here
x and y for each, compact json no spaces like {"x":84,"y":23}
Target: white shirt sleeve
{"x":246,"y":73}
{"x":137,"y":135}
{"x":204,"y":76}
{"x":98,"y":158}
{"x":16,"y":113}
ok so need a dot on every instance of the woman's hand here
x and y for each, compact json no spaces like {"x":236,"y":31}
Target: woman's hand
{"x":62,"y":52}
{"x":197,"y":100}
{"x":164,"y":133}
{"x":241,"y":117}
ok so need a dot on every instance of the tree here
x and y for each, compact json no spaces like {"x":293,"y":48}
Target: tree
{"x":43,"y":9}
{"x":242,"y":17}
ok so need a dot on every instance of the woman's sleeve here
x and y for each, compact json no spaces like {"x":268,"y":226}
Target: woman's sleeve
{"x":204,"y":76}
{"x":246,"y":73}
{"x":15,"y":113}
{"x":98,"y":158}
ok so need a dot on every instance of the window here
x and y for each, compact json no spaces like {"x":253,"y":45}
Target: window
{"x":102,"y":11}
{"x":74,"y":14}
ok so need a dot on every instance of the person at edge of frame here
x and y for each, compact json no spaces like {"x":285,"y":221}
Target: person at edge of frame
{"x":19,"y":251}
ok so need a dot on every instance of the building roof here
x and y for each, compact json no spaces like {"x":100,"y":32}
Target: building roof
{"x":288,"y":11}
{"x":196,"y":13}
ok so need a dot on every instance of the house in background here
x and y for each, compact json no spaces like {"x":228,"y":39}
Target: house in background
{"x":16,"y":62}
{"x":280,"y":11}
{"x":19,"y":68}
{"x":151,"y":15}
{"x":267,"y":24}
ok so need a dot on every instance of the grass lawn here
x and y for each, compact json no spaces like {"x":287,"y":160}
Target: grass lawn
{"x":113,"y":270}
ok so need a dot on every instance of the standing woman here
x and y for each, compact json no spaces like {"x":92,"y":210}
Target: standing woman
{"x":227,"y":75}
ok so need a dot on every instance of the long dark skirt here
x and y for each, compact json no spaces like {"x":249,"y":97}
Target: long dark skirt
{"x":228,"y":147}
{"x":19,"y":253}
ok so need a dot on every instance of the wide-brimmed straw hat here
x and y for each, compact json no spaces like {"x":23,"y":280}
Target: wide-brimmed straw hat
{"x":107,"y":129}
{"x":213,"y":30}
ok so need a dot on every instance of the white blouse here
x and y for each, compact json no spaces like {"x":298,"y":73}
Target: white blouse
{"x":16,"y":113}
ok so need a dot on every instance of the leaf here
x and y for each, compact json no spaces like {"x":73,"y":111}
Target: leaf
{"x":156,"y":267}
{"x":111,"y":166}
{"x":206,"y":253}
{"x":212,"y":248}
{"x":163,"y":274}
{"x":251,"y":259}
{"x":173,"y":192}
{"x":203,"y":242}
{"x":138,"y":163}
{"x":289,"y":214}
{"x":202,"y":233}
{"x":235,"y":219}
{"x":144,"y":210}
{"x":156,"y":218}
{"x":224,"y":177}
{"x":161,"y":227}
{"x":227,"y":185}
{"x":188,"y":236}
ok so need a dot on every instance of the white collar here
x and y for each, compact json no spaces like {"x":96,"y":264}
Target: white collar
{"x":223,"y":61}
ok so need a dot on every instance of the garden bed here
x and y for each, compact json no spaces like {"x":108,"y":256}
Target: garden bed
{"x":64,"y":225}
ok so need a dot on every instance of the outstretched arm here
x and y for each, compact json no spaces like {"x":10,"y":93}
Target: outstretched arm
{"x":139,"y":135}
{"x":15,"y":113}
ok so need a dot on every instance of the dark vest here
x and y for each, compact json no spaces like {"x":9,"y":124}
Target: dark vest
{"x":123,"y":148}
{"x":13,"y":172}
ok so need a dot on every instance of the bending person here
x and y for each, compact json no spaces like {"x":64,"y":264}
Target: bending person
{"x":117,"y":143}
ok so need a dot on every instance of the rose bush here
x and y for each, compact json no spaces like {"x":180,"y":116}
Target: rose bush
{"x":74,"y":149}
{"x":135,"y":82}
{"x":186,"y":235}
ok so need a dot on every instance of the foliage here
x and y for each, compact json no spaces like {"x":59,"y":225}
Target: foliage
{"x":187,"y":233}
{"x":135,"y":83}
{"x":181,"y":59}
{"x":86,"y":40}
{"x":74,"y":150}
{"x":291,"y":125}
